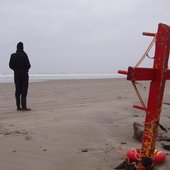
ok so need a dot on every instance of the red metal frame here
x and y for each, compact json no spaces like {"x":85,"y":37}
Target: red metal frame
{"x":158,"y":76}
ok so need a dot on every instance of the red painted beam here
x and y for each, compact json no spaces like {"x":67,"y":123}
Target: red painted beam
{"x":143,"y":74}
{"x":168,"y":75}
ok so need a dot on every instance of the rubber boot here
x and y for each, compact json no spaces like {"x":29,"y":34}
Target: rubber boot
{"x":24,"y":104}
{"x":18,"y":103}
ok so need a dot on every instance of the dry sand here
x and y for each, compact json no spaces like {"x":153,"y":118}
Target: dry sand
{"x":73,"y":125}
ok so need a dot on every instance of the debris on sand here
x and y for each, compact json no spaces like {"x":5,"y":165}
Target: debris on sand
{"x":13,"y":131}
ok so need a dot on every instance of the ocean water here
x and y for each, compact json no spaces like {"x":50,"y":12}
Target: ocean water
{"x":8,"y":78}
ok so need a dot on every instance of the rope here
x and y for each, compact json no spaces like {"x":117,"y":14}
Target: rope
{"x":149,"y":56}
{"x":146,"y":52}
{"x":138,"y":94}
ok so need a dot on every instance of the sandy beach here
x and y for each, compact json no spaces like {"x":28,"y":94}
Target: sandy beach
{"x":73,"y":125}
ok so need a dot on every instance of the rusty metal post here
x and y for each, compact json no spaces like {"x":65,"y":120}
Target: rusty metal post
{"x":156,"y":92}
{"x":158,"y":76}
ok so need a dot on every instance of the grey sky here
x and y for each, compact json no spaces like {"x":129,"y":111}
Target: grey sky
{"x":79,"y":36}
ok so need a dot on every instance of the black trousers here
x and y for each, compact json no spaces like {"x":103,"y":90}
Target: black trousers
{"x":21,"y":88}
{"x":21,"y":85}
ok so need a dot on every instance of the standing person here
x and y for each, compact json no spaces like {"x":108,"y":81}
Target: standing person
{"x":20,"y":64}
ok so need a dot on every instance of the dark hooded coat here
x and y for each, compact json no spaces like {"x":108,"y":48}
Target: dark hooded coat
{"x":19,"y":61}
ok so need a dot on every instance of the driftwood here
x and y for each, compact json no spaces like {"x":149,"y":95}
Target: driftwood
{"x":166,"y":103}
{"x":166,"y":147}
{"x":138,"y":131}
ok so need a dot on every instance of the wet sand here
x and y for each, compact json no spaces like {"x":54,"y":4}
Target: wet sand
{"x":74,"y":124}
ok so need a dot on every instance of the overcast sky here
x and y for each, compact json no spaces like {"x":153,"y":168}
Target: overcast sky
{"x":79,"y":36}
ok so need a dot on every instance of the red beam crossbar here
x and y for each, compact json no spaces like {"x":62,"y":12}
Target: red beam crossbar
{"x":149,"y":34}
{"x":139,"y":107}
{"x":142,"y":74}
{"x":136,"y":73}
{"x":122,"y":72}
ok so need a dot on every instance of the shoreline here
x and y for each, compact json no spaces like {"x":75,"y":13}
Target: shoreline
{"x":41,"y":77}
